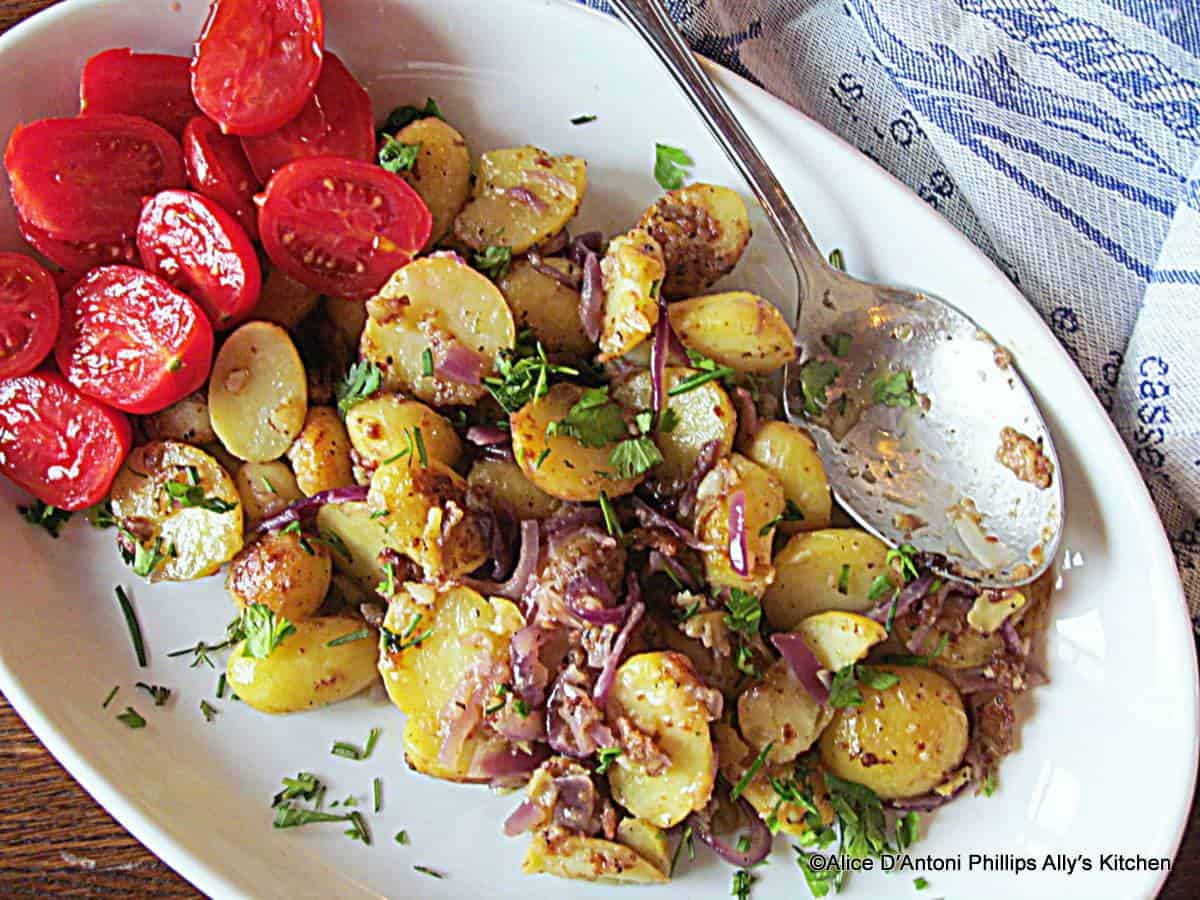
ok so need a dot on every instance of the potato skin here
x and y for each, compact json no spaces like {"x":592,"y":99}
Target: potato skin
{"x":903,"y":741}
{"x":507,"y":485}
{"x":547,"y":306}
{"x":441,"y":173}
{"x":277,"y":571}
{"x":570,"y":855}
{"x":703,"y":230}
{"x":808,"y":569}
{"x":778,"y":710}
{"x":266,"y":489}
{"x":320,"y":455}
{"x":186,"y":421}
{"x":737,"y":329}
{"x":304,"y":672}
{"x":791,"y":454}
{"x":764,"y":503}
{"x":633,"y":270}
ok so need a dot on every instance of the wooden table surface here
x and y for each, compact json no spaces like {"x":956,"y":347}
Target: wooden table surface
{"x":56,"y":841}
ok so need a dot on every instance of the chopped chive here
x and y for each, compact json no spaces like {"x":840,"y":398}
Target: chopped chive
{"x":349,"y":751}
{"x":160,"y":694}
{"x":209,"y":711}
{"x":359,"y":635}
{"x":377,"y":794}
{"x":221,"y":687}
{"x":135,"y":630}
{"x":425,"y":870}
{"x":745,"y":780}
{"x":611,"y":522}
{"x":582,"y":120}
{"x":843,"y":582}
{"x":836,"y":260}
{"x":420,"y":441}
{"x":541,"y":458}
{"x":372,"y":740}
{"x":427,"y":362}
{"x":111,"y":694}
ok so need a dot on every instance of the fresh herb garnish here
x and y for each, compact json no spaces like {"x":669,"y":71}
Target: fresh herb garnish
{"x":425,"y":870}
{"x":376,"y":795}
{"x":541,"y":458}
{"x":836,"y":260}
{"x":745,"y":612}
{"x":668,"y":420}
{"x":291,"y":816}
{"x":633,"y":456}
{"x":305,"y":786}
{"x":844,"y":692}
{"x":160,"y":694}
{"x":791,"y":513}
{"x":837,"y":343}
{"x":708,"y":370}
{"x":749,"y":774}
{"x":612,"y":523}
{"x":402,"y":838}
{"x":208,"y":710}
{"x":843,"y":582}
{"x":920,"y":883}
{"x":427,"y":362}
{"x":394,"y":643}
{"x":45,"y":516}
{"x":742,"y":882}
{"x":524,"y":375}
{"x":916,"y":659}
{"x":361,"y":381}
{"x":989,"y":785}
{"x":879,"y":587}
{"x":583,"y":120}
{"x":135,"y":630}
{"x":144,"y":559}
{"x":904,"y":557}
{"x":351,"y":637}
{"x":816,"y":375}
{"x":684,"y":839}
{"x":350,"y":751}
{"x":493,"y":261}
{"x":406,"y":115}
{"x":109,"y":698}
{"x":670,"y":166}
{"x":264,"y":630}
{"x":233,"y":634}
{"x":820,"y":879}
{"x":605,"y":757}
{"x":595,"y":420}
{"x":191,"y":494}
{"x":396,"y":157}
{"x":894,"y":390}
{"x":419,"y":441}
{"x":131,"y":719}
{"x":100,"y":515}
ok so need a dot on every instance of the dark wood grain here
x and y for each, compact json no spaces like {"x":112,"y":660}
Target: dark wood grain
{"x":56,"y":841}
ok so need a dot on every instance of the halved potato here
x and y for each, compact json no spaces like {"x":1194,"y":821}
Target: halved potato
{"x":266,"y":489}
{"x":364,"y":536}
{"x":508,"y":487}
{"x":737,"y":329}
{"x":441,"y":173}
{"x":763,"y":503}
{"x":185,"y":421}
{"x":286,"y":572}
{"x":320,"y":455}
{"x":809,"y":574}
{"x":569,"y":855}
{"x":702,"y":415}
{"x":382,"y":426}
{"x":703,"y":229}
{"x":441,"y":305}
{"x":192,"y":541}
{"x":633,"y":270}
{"x":258,"y":392}
{"x":662,"y":696}
{"x":547,"y":306}
{"x":777,"y":710}
{"x":648,"y":840}
{"x":522,"y":196}
{"x":791,"y":454}
{"x":558,"y":464}
{"x":839,"y":638}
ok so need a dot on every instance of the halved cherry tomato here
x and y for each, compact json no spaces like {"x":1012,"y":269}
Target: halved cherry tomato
{"x":196,"y":246}
{"x":340,"y":226}
{"x":131,"y":340}
{"x":151,"y":85}
{"x":217,"y":168}
{"x":77,"y":257}
{"x":257,"y":62}
{"x":336,"y":121}
{"x":28,"y":314}
{"x":62,"y":447}
{"x":83,"y":179}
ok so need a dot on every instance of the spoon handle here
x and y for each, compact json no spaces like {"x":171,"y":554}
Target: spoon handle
{"x":650,"y":20}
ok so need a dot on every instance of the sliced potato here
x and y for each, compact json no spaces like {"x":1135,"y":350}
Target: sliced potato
{"x":320,"y":455}
{"x":702,"y":415}
{"x":809,"y":579}
{"x":185,"y":421}
{"x":648,"y":840}
{"x":777,"y":710}
{"x":790,"y":453}
{"x":902,"y":741}
{"x":736,"y":329}
{"x":569,"y":855}
{"x":287,"y":572}
{"x":661,"y":695}
{"x":425,"y":517}
{"x":284,"y":301}
{"x":508,"y":487}
{"x":522,"y":196}
{"x":763,"y":502}
{"x":304,"y":672}
{"x":547,"y":306}
{"x":633,"y":269}
{"x":364,"y":537}
{"x":258,"y":392}
{"x":558,"y":464}
{"x":703,"y":229}
{"x":382,"y":426}
{"x":265,"y":489}
{"x":839,"y":638}
{"x":192,"y":541}
{"x":441,"y":173}
{"x":441,"y":305}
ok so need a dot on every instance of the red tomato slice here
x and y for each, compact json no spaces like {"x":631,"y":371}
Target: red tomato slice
{"x":152,"y":85}
{"x":336,"y":121}
{"x":257,"y":62}
{"x":217,"y":167}
{"x":76,"y":257}
{"x":28,"y":314}
{"x":83,"y":179}
{"x":340,"y":226}
{"x":131,"y":340}
{"x":197,"y":247}
{"x":62,"y":447}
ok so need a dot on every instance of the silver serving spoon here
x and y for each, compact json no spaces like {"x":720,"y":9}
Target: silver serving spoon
{"x":906,"y":397}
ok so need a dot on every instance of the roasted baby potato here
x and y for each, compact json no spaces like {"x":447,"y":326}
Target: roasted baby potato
{"x":762,"y":501}
{"x":903,"y":740}
{"x":522,"y":196}
{"x":838,"y":638}
{"x":304,"y":672}
{"x":777,"y":710}
{"x":382,"y":426}
{"x":363,"y":536}
{"x":808,"y":575}
{"x":258,"y":392}
{"x":791,"y":455}
{"x":702,"y":415}
{"x":557,"y":463}
{"x":648,"y":840}
{"x":185,"y":421}
{"x":508,"y":488}
{"x":437,"y":314}
{"x":547,"y":306}
{"x":180,"y":508}
{"x":287,"y":572}
{"x":662,"y":697}
{"x":320,"y":455}
{"x":702,"y":229}
{"x":737,"y":329}
{"x":266,"y":489}
{"x":632,"y":269}
{"x":441,"y":173}
{"x":570,"y":855}
{"x":284,"y":301}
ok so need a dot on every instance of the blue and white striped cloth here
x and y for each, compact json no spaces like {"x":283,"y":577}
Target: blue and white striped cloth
{"x":1082,"y":116}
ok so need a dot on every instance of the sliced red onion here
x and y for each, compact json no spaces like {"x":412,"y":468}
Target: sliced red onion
{"x":583,"y":244}
{"x":637,"y":609}
{"x":916,"y":640}
{"x":659,"y":351}
{"x":1012,"y":639}
{"x":585,"y":585}
{"x":660,"y":562}
{"x":524,"y":570}
{"x":905,"y":600}
{"x":530,"y":675}
{"x":557,"y":182}
{"x":506,"y":762}
{"x":803,"y":663}
{"x":705,"y":460}
{"x":747,"y":414}
{"x":461,"y":364}
{"x":758,"y":835}
{"x":521,"y":728}
{"x":576,"y":801}
{"x":462,"y":717}
{"x":554,"y":244}
{"x":540,"y":265}
{"x":591,"y":298}
{"x":572,"y":517}
{"x":524,"y":818}
{"x":487,"y":435}
{"x":575,"y":725}
{"x":307,"y":508}
{"x":739,"y":553}
{"x":649,"y":517}
{"x":526,"y":196}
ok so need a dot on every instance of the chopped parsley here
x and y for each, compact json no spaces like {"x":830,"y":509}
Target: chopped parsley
{"x":131,"y":719}
{"x":264,"y":630}
{"x":350,"y":751}
{"x":401,"y":838}
{"x":191,"y":494}
{"x":635,"y":455}
{"x":305,"y":786}
{"x":836,"y":260}
{"x":135,"y":630}
{"x":843,"y":582}
{"x":920,"y":883}
{"x":349,"y":638}
{"x":397,"y":157}
{"x":406,"y":115}
{"x":583,"y":120}
{"x":742,"y":882}
{"x":989,"y":785}
{"x":605,"y":757}
{"x":524,"y":375}
{"x":816,"y":375}
{"x":894,"y":390}
{"x":100,"y":515}
{"x":820,"y":879}
{"x":45,"y":516}
{"x":611,"y":522}
{"x":208,"y":710}
{"x":670,"y":166}
{"x":595,"y":420}
{"x":749,"y":774}
{"x":743,"y":616}
{"x":361,"y":381}
{"x":837,"y":343}
{"x":881,"y":586}
{"x":160,"y":694}
{"x":493,"y":261}
{"x":844,"y":692}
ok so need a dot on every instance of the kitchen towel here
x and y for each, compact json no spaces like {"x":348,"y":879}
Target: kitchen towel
{"x":1063,"y":137}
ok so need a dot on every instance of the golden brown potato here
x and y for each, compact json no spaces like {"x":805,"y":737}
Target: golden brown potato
{"x":777,"y":710}
{"x":570,"y":855}
{"x":633,"y":269}
{"x":648,"y":840}
{"x":441,"y":173}
{"x":320,"y":455}
{"x":362,"y":535}
{"x":736,"y":329}
{"x":266,"y":489}
{"x":547,"y":306}
{"x":790,"y":453}
{"x":703,"y":229}
{"x":185,"y":421}
{"x":902,"y":741}
{"x":808,"y":575}
{"x":384,"y":425}
{"x":508,"y":487}
{"x":763,"y":503}
{"x":287,"y":572}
